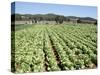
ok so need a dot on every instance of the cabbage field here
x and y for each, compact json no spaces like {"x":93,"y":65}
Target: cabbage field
{"x":40,"y":48}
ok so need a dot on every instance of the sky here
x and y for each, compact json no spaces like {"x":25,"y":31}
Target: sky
{"x":60,"y":9}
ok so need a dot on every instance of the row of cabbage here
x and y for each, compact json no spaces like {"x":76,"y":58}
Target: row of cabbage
{"x":84,"y":50}
{"x":29,"y":55}
{"x":52,"y":48}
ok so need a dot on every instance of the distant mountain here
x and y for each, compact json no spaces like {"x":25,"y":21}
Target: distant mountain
{"x":51,"y":17}
{"x":72,"y":17}
{"x":87,"y":18}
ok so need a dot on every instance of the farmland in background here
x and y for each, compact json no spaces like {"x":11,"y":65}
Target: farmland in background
{"x":40,"y":48}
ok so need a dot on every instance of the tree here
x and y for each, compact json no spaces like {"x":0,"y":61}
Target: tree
{"x":78,"y":21}
{"x":59,"y":19}
{"x":18,"y":17}
{"x":35,"y":20}
{"x":95,"y":22}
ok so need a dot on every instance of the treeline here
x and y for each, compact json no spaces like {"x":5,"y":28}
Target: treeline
{"x":59,"y":19}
